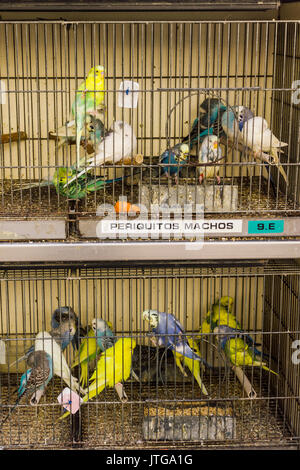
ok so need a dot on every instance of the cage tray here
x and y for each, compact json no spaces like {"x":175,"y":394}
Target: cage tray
{"x":36,"y":229}
{"x":189,"y":423}
{"x":213,"y":197}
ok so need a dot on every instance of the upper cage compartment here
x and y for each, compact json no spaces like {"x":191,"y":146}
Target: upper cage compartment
{"x":49,"y":191}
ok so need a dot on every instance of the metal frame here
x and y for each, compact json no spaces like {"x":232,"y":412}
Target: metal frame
{"x":145,"y":5}
{"x":142,"y":251}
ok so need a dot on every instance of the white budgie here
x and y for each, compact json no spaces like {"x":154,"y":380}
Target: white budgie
{"x":119,"y":142}
{"x":45,"y":342}
{"x":257,"y":136}
{"x":210,"y":151}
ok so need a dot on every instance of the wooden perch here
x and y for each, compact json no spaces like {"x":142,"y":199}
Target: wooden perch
{"x":13,"y":137}
{"x":137,"y":160}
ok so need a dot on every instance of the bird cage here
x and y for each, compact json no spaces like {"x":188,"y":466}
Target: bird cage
{"x":158,"y":78}
{"x":240,"y":405}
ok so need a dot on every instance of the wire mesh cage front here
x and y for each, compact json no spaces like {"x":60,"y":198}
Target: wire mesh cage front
{"x":231,"y":402}
{"x":59,"y":164}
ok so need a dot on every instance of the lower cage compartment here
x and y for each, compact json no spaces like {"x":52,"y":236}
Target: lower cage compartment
{"x":226,"y":374}
{"x":107,"y":423}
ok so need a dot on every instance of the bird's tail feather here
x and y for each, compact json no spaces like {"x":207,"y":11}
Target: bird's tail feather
{"x":201,"y":384}
{"x":84,"y":374}
{"x":261,"y":364}
{"x":269,"y":370}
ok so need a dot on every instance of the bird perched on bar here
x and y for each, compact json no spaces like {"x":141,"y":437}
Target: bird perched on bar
{"x":253,"y":132}
{"x":234,"y":119}
{"x":210,"y":152}
{"x":208,"y":122}
{"x":36,"y":378}
{"x":119,"y":143}
{"x":88,"y":98}
{"x":64,"y":326}
{"x":193,"y":366}
{"x":92,"y":132}
{"x":113,"y":368}
{"x":45,"y":342}
{"x":174,"y":159}
{"x":168,"y":332}
{"x":239,"y":352}
{"x":220,"y":314}
{"x":66,"y":315}
{"x":226,"y":332}
{"x":99,"y":338}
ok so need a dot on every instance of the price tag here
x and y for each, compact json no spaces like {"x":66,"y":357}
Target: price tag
{"x":265,"y":226}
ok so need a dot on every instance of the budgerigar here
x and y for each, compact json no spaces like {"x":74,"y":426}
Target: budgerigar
{"x":234,"y":120}
{"x":66,"y":314}
{"x":168,"y":332}
{"x":210,"y":152}
{"x":226,"y":332}
{"x":113,"y":367}
{"x":119,"y":142}
{"x":257,"y":136}
{"x":45,"y":342}
{"x":176,"y":157}
{"x":99,"y":338}
{"x":92,"y":133}
{"x":220,"y":314}
{"x":88,"y":98}
{"x":240,"y":353}
{"x":194,"y":366}
{"x":64,"y":334}
{"x":207,"y":122}
{"x":253,"y":132}
{"x":64,"y":324}
{"x":36,"y":378}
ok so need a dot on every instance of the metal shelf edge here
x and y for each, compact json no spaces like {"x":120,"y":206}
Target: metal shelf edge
{"x":147,"y":251}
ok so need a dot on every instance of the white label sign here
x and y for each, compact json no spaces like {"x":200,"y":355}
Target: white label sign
{"x":2,"y":352}
{"x":2,"y":92}
{"x":128,"y":97}
{"x":166,"y":227}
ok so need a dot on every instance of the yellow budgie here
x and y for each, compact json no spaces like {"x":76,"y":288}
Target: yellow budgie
{"x":87,"y":101}
{"x":220,"y":314}
{"x":113,"y":367}
{"x":194,"y":366}
{"x":241,"y":354}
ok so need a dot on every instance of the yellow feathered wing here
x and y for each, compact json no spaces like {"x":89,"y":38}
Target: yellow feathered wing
{"x":193,"y":366}
{"x":87,"y":352}
{"x":113,"y":366}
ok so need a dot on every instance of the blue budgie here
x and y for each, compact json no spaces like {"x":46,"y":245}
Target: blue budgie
{"x":169,"y":333}
{"x":174,"y":159}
